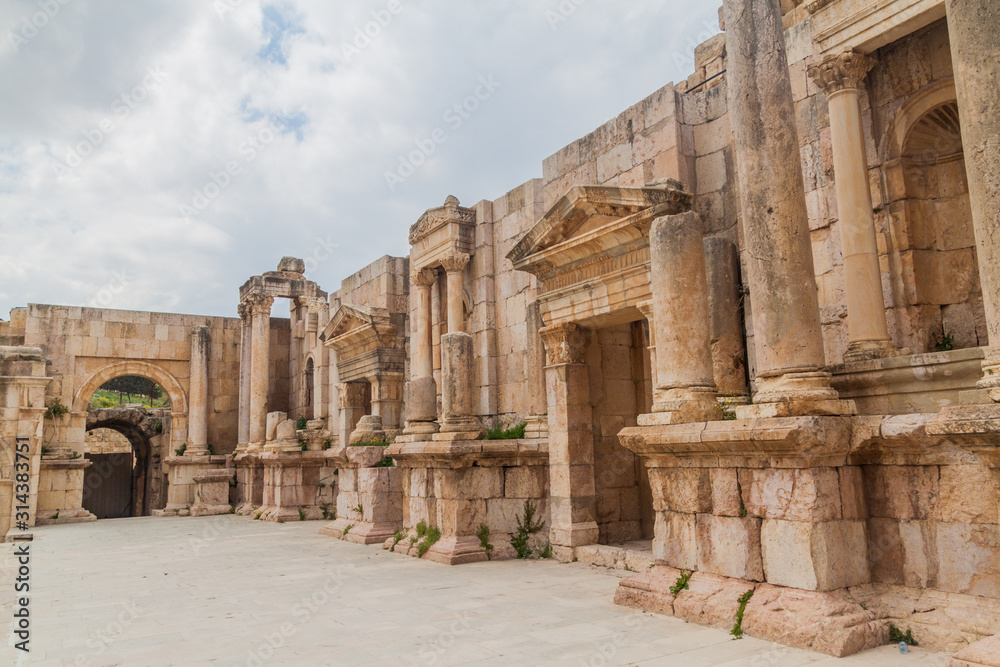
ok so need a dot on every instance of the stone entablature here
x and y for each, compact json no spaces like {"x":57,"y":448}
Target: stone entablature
{"x":367,"y":341}
{"x":866,"y":25}
{"x":591,"y":250}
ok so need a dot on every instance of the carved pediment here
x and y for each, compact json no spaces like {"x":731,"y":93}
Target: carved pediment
{"x":433,"y":219}
{"x":360,"y":328}
{"x":586,"y":208}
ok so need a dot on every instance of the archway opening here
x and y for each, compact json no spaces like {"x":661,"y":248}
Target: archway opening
{"x":128,"y":425}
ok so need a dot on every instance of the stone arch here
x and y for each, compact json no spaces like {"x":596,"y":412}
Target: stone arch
{"x":170,"y":384}
{"x":936,"y":278}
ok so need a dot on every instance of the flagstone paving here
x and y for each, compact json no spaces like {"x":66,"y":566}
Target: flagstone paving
{"x":230,"y":591}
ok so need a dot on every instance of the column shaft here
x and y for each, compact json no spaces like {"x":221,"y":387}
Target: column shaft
{"x":975,"y":52}
{"x":246,"y":356}
{"x":198,"y":394}
{"x":422,"y":407}
{"x":259,"y":367}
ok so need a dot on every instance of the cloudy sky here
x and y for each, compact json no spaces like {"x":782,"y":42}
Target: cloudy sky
{"x":156,"y":153}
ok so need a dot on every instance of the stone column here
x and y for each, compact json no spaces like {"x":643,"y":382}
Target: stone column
{"x":646,"y":308}
{"x":260,"y":308}
{"x":422,"y":408}
{"x":454,"y":267}
{"x":840,"y":76}
{"x":458,"y":391}
{"x":791,"y":367}
{"x":245,"y":363}
{"x":684,"y":377}
{"x":537,"y":426}
{"x":725,"y":302}
{"x":387,"y":398}
{"x":197,"y":444}
{"x":573,"y":494}
{"x":975,"y":53}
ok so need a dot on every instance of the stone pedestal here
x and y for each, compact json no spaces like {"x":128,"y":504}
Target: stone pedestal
{"x":459,"y":486}
{"x":369,"y":498}
{"x":286,"y":438}
{"x":249,"y":483}
{"x":212,"y":493}
{"x":292,"y":490}
{"x":181,"y":471}
{"x":60,"y":492}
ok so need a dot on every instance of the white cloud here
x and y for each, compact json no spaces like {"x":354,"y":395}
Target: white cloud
{"x":224,"y":78}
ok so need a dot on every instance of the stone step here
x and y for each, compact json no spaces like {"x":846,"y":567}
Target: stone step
{"x":632,"y":556}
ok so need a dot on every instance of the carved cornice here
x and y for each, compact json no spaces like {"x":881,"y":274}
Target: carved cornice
{"x":842,"y":71}
{"x":456,"y":263}
{"x":564,"y":343}
{"x":424,"y":277}
{"x":817,"y":5}
{"x":451,"y":212}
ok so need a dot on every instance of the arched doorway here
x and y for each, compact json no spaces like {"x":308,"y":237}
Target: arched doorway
{"x":126,"y":445}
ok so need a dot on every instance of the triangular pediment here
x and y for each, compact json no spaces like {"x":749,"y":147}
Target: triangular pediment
{"x":586,"y":208}
{"x":349,"y":317}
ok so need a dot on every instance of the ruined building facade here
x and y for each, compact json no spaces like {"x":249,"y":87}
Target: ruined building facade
{"x":745,"y":327}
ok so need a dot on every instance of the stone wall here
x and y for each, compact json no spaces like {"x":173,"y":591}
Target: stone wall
{"x":107,"y":441}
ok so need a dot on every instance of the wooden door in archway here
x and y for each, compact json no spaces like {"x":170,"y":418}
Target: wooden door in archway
{"x":107,"y":486}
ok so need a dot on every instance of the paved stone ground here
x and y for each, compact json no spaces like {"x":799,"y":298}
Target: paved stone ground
{"x":224,"y":590}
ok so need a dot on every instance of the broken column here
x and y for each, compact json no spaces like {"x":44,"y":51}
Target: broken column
{"x":197,"y":444}
{"x":684,"y":377}
{"x":572,"y":489}
{"x":422,"y":407}
{"x":260,"y":309}
{"x":352,"y":408}
{"x":791,"y":366}
{"x":840,"y":76}
{"x":975,"y":52}
{"x":458,"y":388}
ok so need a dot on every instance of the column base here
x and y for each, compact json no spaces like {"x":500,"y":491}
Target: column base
{"x":866,"y":350}
{"x":991,"y":374}
{"x":796,"y":394}
{"x":255,"y":447}
{"x":361,"y":532}
{"x":421,"y":428}
{"x":66,"y":516}
{"x":457,"y":551}
{"x":173,"y":510}
{"x":683,"y":411}
{"x":537,"y":427}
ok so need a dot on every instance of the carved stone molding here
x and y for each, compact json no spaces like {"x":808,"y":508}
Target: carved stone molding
{"x":451,"y":212}
{"x":842,"y":71}
{"x":456,"y":263}
{"x":260,"y":304}
{"x":564,"y":343}
{"x":351,"y":394}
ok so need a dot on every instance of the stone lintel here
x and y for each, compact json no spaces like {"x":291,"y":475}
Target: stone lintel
{"x":790,"y":442}
{"x":826,"y":622}
{"x":975,"y":428}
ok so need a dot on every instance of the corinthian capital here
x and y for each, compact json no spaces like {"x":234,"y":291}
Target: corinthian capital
{"x":564,"y":343}
{"x":455,"y":263}
{"x":259,"y":304}
{"x":841,"y":71}
{"x":424,"y":277}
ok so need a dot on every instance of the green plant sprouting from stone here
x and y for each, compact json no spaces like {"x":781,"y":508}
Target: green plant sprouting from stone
{"x":54,"y":408}
{"x":737,"y":630}
{"x":526,"y":527}
{"x":386,"y":462}
{"x":512,"y":433}
{"x":483,"y":533}
{"x":896,"y":635}
{"x":302,"y":514}
{"x":301,"y":423}
{"x":681,"y":583}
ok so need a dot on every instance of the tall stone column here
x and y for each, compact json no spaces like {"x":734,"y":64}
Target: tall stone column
{"x":975,"y":53}
{"x":260,"y":309}
{"x":422,"y":408}
{"x":197,"y":444}
{"x":684,"y":375}
{"x":387,"y":397}
{"x":791,"y":367}
{"x":537,"y":426}
{"x":245,"y":362}
{"x":454,"y":267}
{"x":573,"y":491}
{"x":458,"y":391}
{"x":840,"y":76}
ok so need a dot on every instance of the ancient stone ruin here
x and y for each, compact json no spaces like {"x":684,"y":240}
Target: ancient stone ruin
{"x":737,"y":339}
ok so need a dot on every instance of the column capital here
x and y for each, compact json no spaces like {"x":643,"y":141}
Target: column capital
{"x":564,"y":343}
{"x":456,"y":263}
{"x":260,"y":304}
{"x":841,"y":71}
{"x":425,"y":277}
{"x":243,"y":309}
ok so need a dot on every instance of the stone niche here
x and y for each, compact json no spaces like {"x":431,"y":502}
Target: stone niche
{"x":459,"y":486}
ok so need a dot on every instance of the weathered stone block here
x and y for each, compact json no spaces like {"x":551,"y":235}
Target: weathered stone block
{"x":969,"y":494}
{"x":468,"y":483}
{"x":730,"y":547}
{"x":885,"y":551}
{"x":901,"y":492}
{"x":460,"y":517}
{"x":726,"y":499}
{"x":810,"y":495}
{"x":815,"y":556}
{"x":525,"y":482}
{"x":675,"y":542}
{"x":681,"y":489}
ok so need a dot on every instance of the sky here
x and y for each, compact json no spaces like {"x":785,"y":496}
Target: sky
{"x":154,"y":154}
